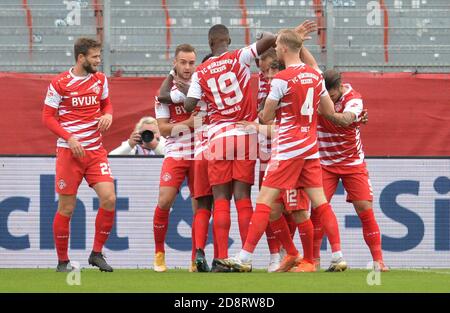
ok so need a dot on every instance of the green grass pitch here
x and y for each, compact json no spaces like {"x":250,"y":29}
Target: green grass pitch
{"x":121,"y":280}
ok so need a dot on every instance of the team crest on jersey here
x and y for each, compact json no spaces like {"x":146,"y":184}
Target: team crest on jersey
{"x":61,"y":184}
{"x":166,"y":177}
{"x":338,"y":107}
{"x":96,"y":89}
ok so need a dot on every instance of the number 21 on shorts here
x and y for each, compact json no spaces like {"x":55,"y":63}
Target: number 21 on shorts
{"x":105,"y":169}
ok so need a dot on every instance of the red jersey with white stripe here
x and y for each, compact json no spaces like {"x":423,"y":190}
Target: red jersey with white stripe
{"x":77,"y":100}
{"x":298,"y":89}
{"x":263,"y":88}
{"x":180,"y":144}
{"x":342,"y":145}
{"x":224,"y":82}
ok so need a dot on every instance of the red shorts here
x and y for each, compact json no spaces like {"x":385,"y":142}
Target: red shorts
{"x":354,"y":178}
{"x":94,"y":167}
{"x":232,"y":158}
{"x":202,"y":187}
{"x":174,"y":171}
{"x":294,"y":200}
{"x":293,"y":174}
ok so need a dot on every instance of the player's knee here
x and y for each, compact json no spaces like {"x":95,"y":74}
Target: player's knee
{"x":108,"y":202}
{"x":164,"y":203}
{"x":361,"y":206}
{"x":300,"y":216}
{"x":66,"y":209}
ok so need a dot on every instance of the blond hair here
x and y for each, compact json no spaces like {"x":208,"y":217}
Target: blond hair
{"x":290,"y":39}
{"x":145,"y":120}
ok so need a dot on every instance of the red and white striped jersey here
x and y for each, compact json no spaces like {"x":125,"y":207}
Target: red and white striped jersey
{"x":181,"y":143}
{"x":263,"y":89}
{"x":77,"y":100}
{"x":298,"y":89}
{"x":342,"y":145}
{"x":224,"y":82}
{"x":201,"y":132}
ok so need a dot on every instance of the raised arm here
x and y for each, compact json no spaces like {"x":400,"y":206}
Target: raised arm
{"x":326,"y":108}
{"x":194,"y":94}
{"x":166,"y":87}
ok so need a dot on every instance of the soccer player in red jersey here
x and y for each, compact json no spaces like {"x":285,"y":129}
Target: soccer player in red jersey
{"x":224,"y":82}
{"x":77,"y":109}
{"x":177,"y":126}
{"x":295,"y":96}
{"x":342,"y":158}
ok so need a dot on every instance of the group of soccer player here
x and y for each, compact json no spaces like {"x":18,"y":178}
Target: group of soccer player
{"x":304,"y":129}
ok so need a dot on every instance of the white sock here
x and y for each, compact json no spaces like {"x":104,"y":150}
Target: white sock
{"x":275,"y":257}
{"x":245,"y":256}
{"x":336,"y":255}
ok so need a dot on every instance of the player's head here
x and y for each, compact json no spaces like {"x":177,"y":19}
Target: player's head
{"x":218,"y":36}
{"x":206,"y":58}
{"x":274,"y":68}
{"x":148,"y":123}
{"x":184,"y":61}
{"x":266,"y":59}
{"x":288,"y":43}
{"x":87,"y":54}
{"x":333,"y":83}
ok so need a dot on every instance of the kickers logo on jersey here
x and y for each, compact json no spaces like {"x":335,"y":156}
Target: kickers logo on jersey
{"x":62,"y":184}
{"x":166,"y":177}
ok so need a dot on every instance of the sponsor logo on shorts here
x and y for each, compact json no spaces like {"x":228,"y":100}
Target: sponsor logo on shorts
{"x":166,"y":177}
{"x":62,"y":184}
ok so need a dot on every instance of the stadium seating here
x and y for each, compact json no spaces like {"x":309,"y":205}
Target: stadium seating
{"x":418,"y":36}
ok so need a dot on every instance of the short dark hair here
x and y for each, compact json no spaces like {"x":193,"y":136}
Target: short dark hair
{"x":206,"y":58}
{"x":82,"y":46}
{"x":269,"y":53}
{"x":218,"y":33}
{"x":185,"y":47}
{"x":332,"y":79}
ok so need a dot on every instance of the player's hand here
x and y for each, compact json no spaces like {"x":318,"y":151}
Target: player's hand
{"x":134,"y":139}
{"x":105,"y":122}
{"x":191,"y":120}
{"x":76,"y":147}
{"x":248,"y":125}
{"x":305,"y":28}
{"x":364,"y":116}
{"x":182,"y":86}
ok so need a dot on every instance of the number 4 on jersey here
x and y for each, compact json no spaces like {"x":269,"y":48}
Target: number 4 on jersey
{"x":307,"y":106}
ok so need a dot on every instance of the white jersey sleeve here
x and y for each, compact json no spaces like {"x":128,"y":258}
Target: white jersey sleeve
{"x":105,"y":93}
{"x":248,"y":54}
{"x":195,"y":90}
{"x":161,"y":110}
{"x":278,"y":88}
{"x":53,"y":98}
{"x":323,"y":90}
{"x":355,"y":106}
{"x":177,"y":96}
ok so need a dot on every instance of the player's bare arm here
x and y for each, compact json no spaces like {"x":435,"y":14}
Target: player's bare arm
{"x":265,"y":41}
{"x":306,"y":28}
{"x":190,"y":103}
{"x":265,"y":130}
{"x":166,"y":86}
{"x":326,"y":108}
{"x":166,"y":128}
{"x":104,"y":123}
{"x":268,"y":113}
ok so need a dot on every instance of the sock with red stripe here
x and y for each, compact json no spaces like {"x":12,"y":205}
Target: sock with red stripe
{"x":61,"y":235}
{"x":281,"y":230}
{"x":306,"y":231}
{"x":244,"y":210}
{"x":371,"y":233}
{"x":318,"y":233}
{"x":201,"y":227}
{"x":330,"y":225}
{"x":221,"y":224}
{"x":258,"y":225}
{"x":103,"y":225}
{"x":272,"y":241}
{"x":160,"y":225}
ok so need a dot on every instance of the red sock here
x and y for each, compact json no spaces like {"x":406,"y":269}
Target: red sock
{"x":330,"y":225}
{"x":318,"y":233}
{"x":193,"y":249}
{"x":291,"y":224}
{"x":201,"y":227}
{"x":272,"y":241}
{"x":221,"y":224}
{"x":103,"y":225}
{"x":216,"y":249}
{"x":306,"y":231}
{"x":61,"y":235}
{"x":160,"y":225}
{"x":281,"y":230}
{"x":258,"y":224}
{"x":371,"y":233}
{"x":244,"y":210}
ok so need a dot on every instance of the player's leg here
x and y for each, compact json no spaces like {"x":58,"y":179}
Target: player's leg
{"x":280,"y":227}
{"x":103,"y":223}
{"x":69,"y":174}
{"x":311,"y":179}
{"x":330,"y":183}
{"x":201,"y":221}
{"x":194,"y":204}
{"x":272,"y":241}
{"x":360,"y":194}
